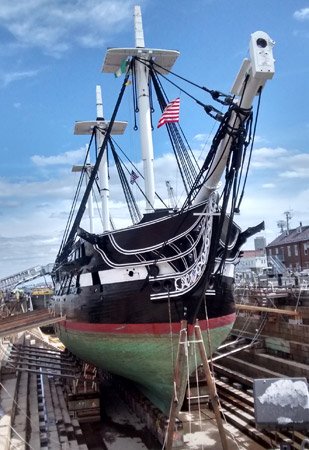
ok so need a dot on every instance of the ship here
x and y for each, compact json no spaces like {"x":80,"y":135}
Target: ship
{"x":125,"y":292}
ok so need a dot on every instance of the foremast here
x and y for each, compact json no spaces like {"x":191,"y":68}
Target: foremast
{"x":117,"y":57}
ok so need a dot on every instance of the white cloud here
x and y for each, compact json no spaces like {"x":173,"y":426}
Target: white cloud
{"x":259,"y":139}
{"x":70,"y":157}
{"x":10,"y":77}
{"x":299,"y":173}
{"x":301,"y":14}
{"x":298,"y":165}
{"x":256,"y":208}
{"x":279,"y":160}
{"x":268,"y":185}
{"x":15,"y":193}
{"x":200,"y":137}
{"x":54,"y":25}
{"x":267,"y":157}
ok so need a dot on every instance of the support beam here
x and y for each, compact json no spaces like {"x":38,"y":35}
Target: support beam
{"x":253,"y":308}
{"x":211,"y":386}
{"x":178,"y":373}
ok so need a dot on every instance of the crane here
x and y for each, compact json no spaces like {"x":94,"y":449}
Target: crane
{"x":10,"y":282}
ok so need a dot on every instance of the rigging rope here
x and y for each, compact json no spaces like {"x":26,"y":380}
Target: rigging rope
{"x":215,"y":94}
{"x":132,"y":205}
{"x":75,"y":199}
{"x":66,"y":247}
{"x":139,"y":173}
{"x":184,"y":162}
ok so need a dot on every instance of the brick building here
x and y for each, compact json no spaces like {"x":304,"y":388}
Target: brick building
{"x":291,"y":248}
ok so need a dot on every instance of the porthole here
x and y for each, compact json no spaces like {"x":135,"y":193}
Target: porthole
{"x":156,"y":287}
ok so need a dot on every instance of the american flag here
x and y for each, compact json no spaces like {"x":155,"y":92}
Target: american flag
{"x":170,"y":113}
{"x":133,"y":177}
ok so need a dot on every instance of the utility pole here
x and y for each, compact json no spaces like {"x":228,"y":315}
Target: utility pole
{"x":288,"y":217}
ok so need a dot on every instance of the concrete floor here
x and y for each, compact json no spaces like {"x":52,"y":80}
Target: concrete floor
{"x":121,"y":429}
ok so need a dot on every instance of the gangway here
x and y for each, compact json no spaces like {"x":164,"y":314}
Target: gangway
{"x":32,"y":319}
{"x":10,"y":282}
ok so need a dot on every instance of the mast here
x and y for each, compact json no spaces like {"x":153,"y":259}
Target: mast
{"x":90,"y":199}
{"x":165,"y":58}
{"x":142,"y":75}
{"x":87,"y":170}
{"x":100,"y":125}
{"x":250,"y":80}
{"x":103,"y":168}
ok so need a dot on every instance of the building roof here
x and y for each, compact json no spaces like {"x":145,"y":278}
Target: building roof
{"x":299,"y":234}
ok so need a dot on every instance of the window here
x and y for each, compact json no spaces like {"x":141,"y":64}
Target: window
{"x":269,"y":252}
{"x":296,"y":249}
{"x":306,"y":248}
{"x":277,"y":250}
{"x":289,"y":250}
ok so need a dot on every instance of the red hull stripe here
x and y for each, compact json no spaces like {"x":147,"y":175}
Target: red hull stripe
{"x":144,"y":328}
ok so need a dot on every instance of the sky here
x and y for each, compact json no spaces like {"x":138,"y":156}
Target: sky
{"x":51,"y":53}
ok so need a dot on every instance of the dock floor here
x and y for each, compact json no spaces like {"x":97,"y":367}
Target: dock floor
{"x":33,"y":411}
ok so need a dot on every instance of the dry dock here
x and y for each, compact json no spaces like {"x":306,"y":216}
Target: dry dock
{"x":50,"y":400}
{"x":39,"y":411}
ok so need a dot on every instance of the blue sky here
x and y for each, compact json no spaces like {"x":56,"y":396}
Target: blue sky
{"x":51,"y":52}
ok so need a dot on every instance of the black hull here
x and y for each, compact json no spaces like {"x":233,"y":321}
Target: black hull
{"x":160,"y":271}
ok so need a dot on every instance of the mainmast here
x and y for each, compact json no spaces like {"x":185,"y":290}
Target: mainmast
{"x":165,"y":58}
{"x":142,"y":76}
{"x":250,"y":80}
{"x":100,"y":125}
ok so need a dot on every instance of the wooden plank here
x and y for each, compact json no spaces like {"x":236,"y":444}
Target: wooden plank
{"x":16,"y":325}
{"x":34,"y":438}
{"x":287,"y":312}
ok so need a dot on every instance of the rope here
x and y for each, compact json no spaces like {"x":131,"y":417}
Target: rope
{"x":170,"y":324}
{"x":251,"y":149}
{"x":17,"y":444}
{"x":214,"y":93}
{"x":66,"y":248}
{"x":299,"y":294}
{"x":76,"y":196}
{"x":136,"y":170}
{"x":27,"y":417}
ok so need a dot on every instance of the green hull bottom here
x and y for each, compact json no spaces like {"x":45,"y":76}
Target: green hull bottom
{"x":146,"y":359}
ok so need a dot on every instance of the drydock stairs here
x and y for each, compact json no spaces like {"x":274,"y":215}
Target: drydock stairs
{"x":32,"y":319}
